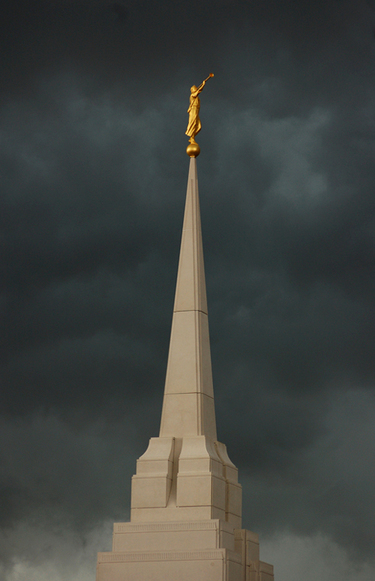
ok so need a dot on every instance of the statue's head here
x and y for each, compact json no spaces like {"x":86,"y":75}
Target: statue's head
{"x":193,"y":88}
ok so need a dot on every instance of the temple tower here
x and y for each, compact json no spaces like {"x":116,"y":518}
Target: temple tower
{"x":186,"y":501}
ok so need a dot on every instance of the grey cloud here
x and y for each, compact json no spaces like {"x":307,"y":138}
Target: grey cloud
{"x":93,"y":176}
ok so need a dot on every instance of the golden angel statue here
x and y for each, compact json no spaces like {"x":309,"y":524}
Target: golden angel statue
{"x":195,"y":125}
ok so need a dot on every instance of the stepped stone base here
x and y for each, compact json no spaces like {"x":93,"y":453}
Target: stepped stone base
{"x":211,"y":550}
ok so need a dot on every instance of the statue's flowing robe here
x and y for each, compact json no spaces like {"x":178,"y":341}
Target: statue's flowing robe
{"x":194,"y":125}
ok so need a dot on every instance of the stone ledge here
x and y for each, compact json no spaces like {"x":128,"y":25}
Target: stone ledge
{"x":210,"y":555}
{"x":173,"y":526}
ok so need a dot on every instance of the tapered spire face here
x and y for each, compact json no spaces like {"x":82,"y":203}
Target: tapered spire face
{"x":186,"y":502}
{"x":185,"y":473}
{"x":188,"y":407}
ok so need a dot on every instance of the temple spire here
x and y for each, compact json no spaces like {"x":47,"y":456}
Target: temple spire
{"x":186,"y":502}
{"x":188,"y":407}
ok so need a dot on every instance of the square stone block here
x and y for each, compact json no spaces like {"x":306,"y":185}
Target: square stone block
{"x":155,"y":467}
{"x":186,"y":465}
{"x":198,"y":454}
{"x":200,"y":491}
{"x":150,"y":491}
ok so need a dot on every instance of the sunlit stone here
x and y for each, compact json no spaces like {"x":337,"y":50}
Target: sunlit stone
{"x":186,"y":502}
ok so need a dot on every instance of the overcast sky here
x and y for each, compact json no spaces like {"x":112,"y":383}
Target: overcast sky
{"x":93,"y":175}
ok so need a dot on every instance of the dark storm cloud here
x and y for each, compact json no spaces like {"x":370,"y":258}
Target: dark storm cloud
{"x":302,"y":40}
{"x":325,"y":487}
{"x":93,"y":176}
{"x":77,"y":256}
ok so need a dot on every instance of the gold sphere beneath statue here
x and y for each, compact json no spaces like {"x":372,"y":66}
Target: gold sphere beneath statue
{"x":193,"y":149}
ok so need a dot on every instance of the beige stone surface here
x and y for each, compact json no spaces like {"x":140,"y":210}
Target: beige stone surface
{"x":259,"y":571}
{"x":187,"y":414}
{"x":191,"y":283}
{"x":234,"y":499}
{"x":186,"y":502}
{"x":208,"y":565}
{"x":247,"y":544}
{"x":198,"y":454}
{"x":176,"y":536}
{"x":173,"y":513}
{"x":230,"y":470}
{"x":151,"y":485}
{"x":147,"y":492}
{"x":198,"y":490}
{"x":189,"y":369}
